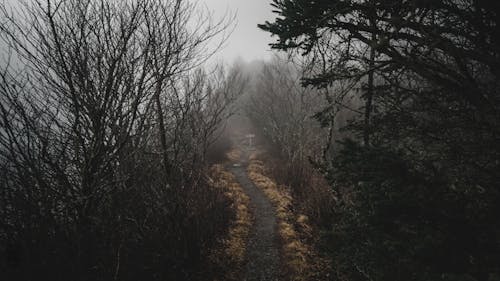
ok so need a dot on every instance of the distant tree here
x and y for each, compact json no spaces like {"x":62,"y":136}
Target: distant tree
{"x":283,"y":111}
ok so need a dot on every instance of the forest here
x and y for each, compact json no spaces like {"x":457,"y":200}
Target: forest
{"x":366,"y":149}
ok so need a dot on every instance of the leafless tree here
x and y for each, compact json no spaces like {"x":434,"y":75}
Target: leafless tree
{"x":283,"y":109}
{"x":178,"y":45}
{"x":92,"y":94}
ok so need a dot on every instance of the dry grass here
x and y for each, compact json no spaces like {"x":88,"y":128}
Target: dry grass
{"x":232,"y":254}
{"x":300,"y":260}
{"x":234,"y":155}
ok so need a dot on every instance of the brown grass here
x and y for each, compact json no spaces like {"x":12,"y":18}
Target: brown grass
{"x":234,"y":155}
{"x":301,"y":262}
{"x":232,"y":254}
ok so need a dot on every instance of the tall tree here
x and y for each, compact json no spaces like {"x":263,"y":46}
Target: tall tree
{"x":430,"y":169}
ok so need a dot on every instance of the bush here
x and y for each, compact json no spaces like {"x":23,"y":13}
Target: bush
{"x":404,"y":222}
{"x":144,"y":230}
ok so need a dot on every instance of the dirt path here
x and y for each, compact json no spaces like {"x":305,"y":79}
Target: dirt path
{"x":262,"y":258}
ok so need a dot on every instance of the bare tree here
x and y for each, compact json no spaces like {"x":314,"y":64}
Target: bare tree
{"x":178,"y":45}
{"x":283,"y":109}
{"x":71,"y":98}
{"x":197,"y":108}
{"x":91,"y":93}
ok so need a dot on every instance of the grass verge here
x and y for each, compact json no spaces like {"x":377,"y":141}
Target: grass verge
{"x":230,"y":256}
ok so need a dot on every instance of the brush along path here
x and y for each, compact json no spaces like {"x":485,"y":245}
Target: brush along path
{"x":300,"y":260}
{"x":262,"y":256}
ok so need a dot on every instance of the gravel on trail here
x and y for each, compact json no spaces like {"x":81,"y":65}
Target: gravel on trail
{"x":262,"y":255}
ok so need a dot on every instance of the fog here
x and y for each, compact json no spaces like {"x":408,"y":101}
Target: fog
{"x":247,"y":41}
{"x":135,"y":147}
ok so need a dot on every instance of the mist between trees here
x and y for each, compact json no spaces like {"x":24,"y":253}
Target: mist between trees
{"x":381,"y":117}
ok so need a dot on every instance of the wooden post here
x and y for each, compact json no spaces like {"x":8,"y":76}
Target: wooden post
{"x":250,"y":139}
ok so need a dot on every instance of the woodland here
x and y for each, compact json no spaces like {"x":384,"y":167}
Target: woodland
{"x":126,"y":155}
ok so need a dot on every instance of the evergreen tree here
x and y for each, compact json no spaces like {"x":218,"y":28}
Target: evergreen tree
{"x":422,"y":198}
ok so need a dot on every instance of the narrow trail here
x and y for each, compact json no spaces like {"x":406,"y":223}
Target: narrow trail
{"x":263,"y":257}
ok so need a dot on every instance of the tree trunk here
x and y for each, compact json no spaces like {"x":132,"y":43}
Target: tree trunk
{"x":162,"y":132}
{"x":369,"y":91}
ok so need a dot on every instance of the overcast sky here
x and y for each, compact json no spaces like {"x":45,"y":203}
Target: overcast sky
{"x":247,"y":41}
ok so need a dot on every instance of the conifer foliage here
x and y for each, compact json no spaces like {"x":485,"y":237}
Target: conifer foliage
{"x":416,"y":168}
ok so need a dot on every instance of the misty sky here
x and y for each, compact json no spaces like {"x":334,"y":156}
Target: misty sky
{"x":247,"y":41}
